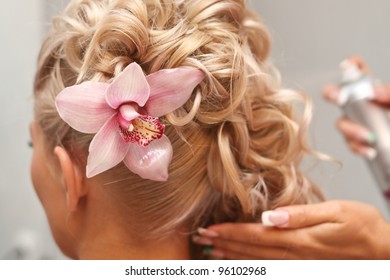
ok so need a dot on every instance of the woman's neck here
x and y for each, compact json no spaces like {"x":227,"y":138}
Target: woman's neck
{"x":103,"y":232}
{"x":174,"y":248}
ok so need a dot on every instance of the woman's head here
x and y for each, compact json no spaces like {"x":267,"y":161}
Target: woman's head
{"x":236,"y":145}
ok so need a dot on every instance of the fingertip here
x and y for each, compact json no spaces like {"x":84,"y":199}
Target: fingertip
{"x":216,"y":253}
{"x":331,"y":93}
{"x":201,"y":240}
{"x":355,"y":132}
{"x":276,"y":217}
{"x":208,"y":250}
{"x":382,"y":94}
{"x":265,"y":219}
{"x":208,"y":232}
{"x":304,"y":215}
{"x":368,"y":152}
{"x":212,"y":252}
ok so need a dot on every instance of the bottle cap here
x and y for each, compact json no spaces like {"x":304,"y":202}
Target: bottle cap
{"x":355,"y":84}
{"x":350,"y":71}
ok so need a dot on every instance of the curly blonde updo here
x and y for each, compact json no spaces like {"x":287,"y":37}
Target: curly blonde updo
{"x":237,"y":143}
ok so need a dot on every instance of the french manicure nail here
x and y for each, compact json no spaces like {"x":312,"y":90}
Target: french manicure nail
{"x":217,"y":253}
{"x":367,"y":136}
{"x":207,"y":232}
{"x":369,"y":153}
{"x":202,"y":240}
{"x":274,"y":218}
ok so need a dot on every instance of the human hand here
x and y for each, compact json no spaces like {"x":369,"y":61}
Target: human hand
{"x":358,"y":138}
{"x":327,"y":230}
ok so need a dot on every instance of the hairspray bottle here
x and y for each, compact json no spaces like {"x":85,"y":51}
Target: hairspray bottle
{"x":356,"y":92}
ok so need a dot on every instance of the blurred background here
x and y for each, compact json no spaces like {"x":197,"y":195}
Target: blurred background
{"x":310,"y":39}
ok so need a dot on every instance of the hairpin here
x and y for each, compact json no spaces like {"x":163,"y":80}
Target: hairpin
{"x":124,"y":114}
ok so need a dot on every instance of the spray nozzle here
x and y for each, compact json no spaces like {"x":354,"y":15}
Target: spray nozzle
{"x":355,"y":84}
{"x":350,"y":71}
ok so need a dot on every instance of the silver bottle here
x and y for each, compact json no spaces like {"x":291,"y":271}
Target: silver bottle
{"x":356,"y":92}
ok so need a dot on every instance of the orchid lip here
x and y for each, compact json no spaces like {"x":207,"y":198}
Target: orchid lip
{"x":142,"y":130}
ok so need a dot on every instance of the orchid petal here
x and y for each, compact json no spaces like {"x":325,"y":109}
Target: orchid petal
{"x":129,"y":86}
{"x":170,"y":89}
{"x":84,"y":106}
{"x":107,"y":148}
{"x":150,"y":162}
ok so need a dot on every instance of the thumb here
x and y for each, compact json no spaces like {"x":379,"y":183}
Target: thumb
{"x":382,"y":94}
{"x":331,"y":93}
{"x":300,"y":216}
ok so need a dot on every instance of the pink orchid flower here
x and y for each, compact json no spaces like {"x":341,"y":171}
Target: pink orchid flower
{"x":124,"y":115}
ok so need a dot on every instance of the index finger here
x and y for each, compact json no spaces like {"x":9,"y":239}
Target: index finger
{"x":301,"y":216}
{"x":382,"y":94}
{"x":251,"y":233}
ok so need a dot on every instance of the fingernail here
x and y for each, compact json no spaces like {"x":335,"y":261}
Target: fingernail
{"x":202,"y":240}
{"x":207,"y":250}
{"x":274,"y":218}
{"x":367,"y":136}
{"x":207,"y":232}
{"x":210,"y":251}
{"x":368,"y":152}
{"x":217,"y":253}
{"x":371,"y":138}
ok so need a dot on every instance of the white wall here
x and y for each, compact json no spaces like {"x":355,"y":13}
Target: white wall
{"x":22,"y":220}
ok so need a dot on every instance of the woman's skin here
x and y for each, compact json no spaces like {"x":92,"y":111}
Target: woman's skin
{"x":328,"y":230}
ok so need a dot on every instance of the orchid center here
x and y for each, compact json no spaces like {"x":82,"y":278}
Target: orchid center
{"x":134,"y":127}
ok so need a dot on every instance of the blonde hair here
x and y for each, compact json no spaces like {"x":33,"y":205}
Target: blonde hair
{"x":237,"y":143}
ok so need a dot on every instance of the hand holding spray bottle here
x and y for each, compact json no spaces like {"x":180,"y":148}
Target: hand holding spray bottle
{"x":356,"y":93}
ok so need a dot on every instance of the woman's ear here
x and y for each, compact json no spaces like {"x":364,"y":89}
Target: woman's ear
{"x":74,"y":181}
